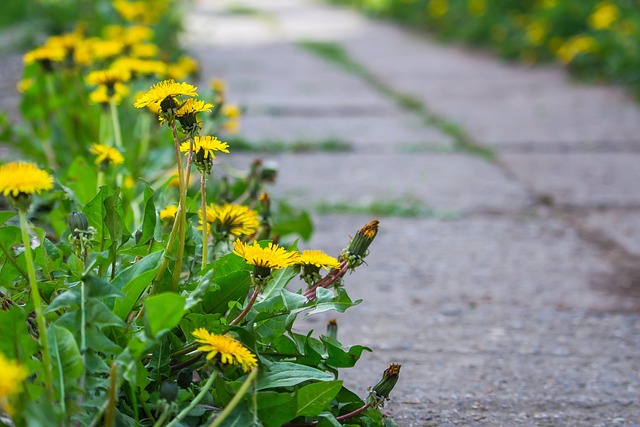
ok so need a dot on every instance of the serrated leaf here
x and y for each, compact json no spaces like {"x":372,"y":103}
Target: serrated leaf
{"x":313,"y":398}
{"x":232,"y":277}
{"x":285,"y":374}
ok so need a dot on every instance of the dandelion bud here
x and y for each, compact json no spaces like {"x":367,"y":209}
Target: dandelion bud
{"x":332,"y":329}
{"x":169,"y":391}
{"x":358,"y":247}
{"x":388,"y":381}
{"x":77,"y":223}
{"x":185,"y":377}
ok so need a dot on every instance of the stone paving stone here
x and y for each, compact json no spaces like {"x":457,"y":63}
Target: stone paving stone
{"x":622,"y":226}
{"x":580,"y":179}
{"x":500,"y":105}
{"x":280,"y":75}
{"x":383,"y":133}
{"x":446,"y":183}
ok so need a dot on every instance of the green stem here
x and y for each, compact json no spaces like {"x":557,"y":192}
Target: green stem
{"x":205,"y":223}
{"x":37,"y":303}
{"x":182,"y":212}
{"x":246,"y":309}
{"x":112,"y":393}
{"x":117,"y":134}
{"x":203,"y":391}
{"x":163,"y":417}
{"x":236,"y":399}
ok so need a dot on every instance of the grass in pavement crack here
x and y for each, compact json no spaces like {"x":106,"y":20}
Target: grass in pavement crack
{"x":336,"y":54}
{"x":329,"y":145}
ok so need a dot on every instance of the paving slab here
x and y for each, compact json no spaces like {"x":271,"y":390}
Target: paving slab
{"x":579,"y":179}
{"x":367,"y":132}
{"x":500,"y":105}
{"x":622,"y":226}
{"x":282,"y":75}
{"x":450,"y":183}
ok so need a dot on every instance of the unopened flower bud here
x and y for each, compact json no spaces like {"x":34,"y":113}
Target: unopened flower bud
{"x":78,"y":222}
{"x":358,"y":247}
{"x":332,"y":329}
{"x":185,"y":377}
{"x":169,"y":391}
{"x":388,"y":381}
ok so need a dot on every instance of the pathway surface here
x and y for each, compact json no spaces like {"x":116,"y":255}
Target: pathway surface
{"x":515,"y":299}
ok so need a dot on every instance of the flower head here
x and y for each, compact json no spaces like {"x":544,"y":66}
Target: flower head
{"x":204,"y":148}
{"x":164,"y":93}
{"x":108,"y":77}
{"x":188,"y":111}
{"x":13,"y":375}
{"x":231,"y":351}
{"x":18,"y":178}
{"x":236,"y":220}
{"x":312,"y":261}
{"x":45,"y":56}
{"x":264,"y":259}
{"x":604,"y":16}
{"x":168,"y":213}
{"x":102,"y":95}
{"x":106,"y":154}
{"x":318,"y":258}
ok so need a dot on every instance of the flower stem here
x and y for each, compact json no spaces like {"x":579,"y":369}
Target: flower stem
{"x":181,"y":216}
{"x":236,"y":399}
{"x":203,"y":391}
{"x":246,"y":309}
{"x":205,"y":223}
{"x":117,"y":134}
{"x":37,"y":303}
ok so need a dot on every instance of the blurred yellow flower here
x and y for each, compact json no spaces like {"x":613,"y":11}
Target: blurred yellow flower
{"x":477,"y":8}
{"x":604,"y":15}
{"x":169,"y":213}
{"x":536,"y":32}
{"x":575,"y":46}
{"x":106,"y":154}
{"x":13,"y":376}
{"x":438,"y":8}
{"x":23,"y":178}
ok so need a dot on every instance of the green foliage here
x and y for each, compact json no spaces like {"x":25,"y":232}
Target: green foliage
{"x":125,"y":312}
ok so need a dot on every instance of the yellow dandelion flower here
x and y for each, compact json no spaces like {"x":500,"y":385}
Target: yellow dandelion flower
{"x":318,"y":259}
{"x":139,"y":66}
{"x":185,"y":66}
{"x":438,"y":8}
{"x":231,"y":111}
{"x":236,"y":220}
{"x":207,"y":144}
{"x":604,"y":16}
{"x":578,"y":45}
{"x":231,"y":351}
{"x":144,"y":50}
{"x":23,"y":178}
{"x":45,"y":55}
{"x":104,"y":49}
{"x":231,"y":126}
{"x":536,"y":32}
{"x":130,"y":11}
{"x":106,"y":154}
{"x":101,"y":94}
{"x":169,"y":213}
{"x":193,"y":106}
{"x":13,"y":376}
{"x":217,"y":84}
{"x":477,"y":8}
{"x":163,"y":90}
{"x":24,"y":85}
{"x":272,"y":256}
{"x":108,"y":77}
